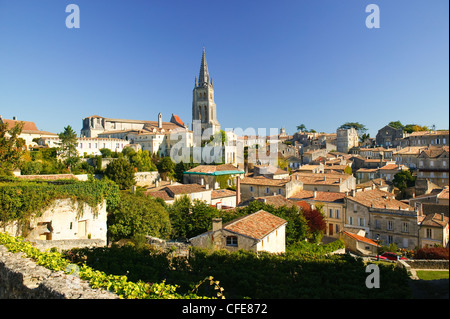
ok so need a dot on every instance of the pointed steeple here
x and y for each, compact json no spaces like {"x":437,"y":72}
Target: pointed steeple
{"x":203,"y":77}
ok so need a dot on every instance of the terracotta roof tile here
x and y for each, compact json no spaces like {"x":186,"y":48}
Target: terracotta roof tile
{"x":276,"y":201}
{"x":261,"y":180}
{"x":220,"y":193}
{"x":256,"y":225}
{"x":435,"y":220}
{"x":320,"y":196}
{"x":361,"y":238}
{"x":376,"y":198}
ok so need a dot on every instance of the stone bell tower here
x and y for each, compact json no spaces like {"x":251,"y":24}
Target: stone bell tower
{"x":203,"y":106}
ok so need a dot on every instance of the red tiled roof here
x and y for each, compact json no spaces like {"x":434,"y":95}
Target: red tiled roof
{"x":256,"y":225}
{"x":320,"y":196}
{"x":220,"y":193}
{"x":28,"y":126}
{"x":177,"y":120}
{"x":444,"y":193}
{"x":379,"y":199}
{"x":261,"y":180}
{"x":302,"y":204}
{"x":361,"y":238}
{"x":436,"y":220}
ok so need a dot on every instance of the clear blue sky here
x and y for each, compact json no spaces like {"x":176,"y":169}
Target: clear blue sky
{"x":274,"y":63}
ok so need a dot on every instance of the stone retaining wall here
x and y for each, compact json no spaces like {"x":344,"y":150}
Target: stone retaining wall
{"x":66,"y":244}
{"x":427,"y":264}
{"x":22,"y":278}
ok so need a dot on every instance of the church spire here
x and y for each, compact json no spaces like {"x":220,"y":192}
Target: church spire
{"x":203,"y":77}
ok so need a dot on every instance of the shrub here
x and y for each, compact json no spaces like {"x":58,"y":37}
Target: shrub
{"x":431,"y":253}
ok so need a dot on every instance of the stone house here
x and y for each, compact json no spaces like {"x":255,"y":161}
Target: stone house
{"x":433,"y":230}
{"x":172,"y":192}
{"x":359,"y":244}
{"x":30,"y":132}
{"x":426,"y":138}
{"x":367,"y":174}
{"x":326,"y":182}
{"x":381,"y":216}
{"x":433,"y":165}
{"x":93,"y":145}
{"x":389,"y":136}
{"x":270,"y":172}
{"x":408,"y":156}
{"x":346,"y":139}
{"x":260,"y":186}
{"x":223,"y":198}
{"x":294,"y":162}
{"x":388,"y":171}
{"x":215,"y":176}
{"x":65,"y":220}
{"x":260,"y":231}
{"x":333,"y":206}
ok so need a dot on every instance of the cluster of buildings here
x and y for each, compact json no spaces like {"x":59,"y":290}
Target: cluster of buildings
{"x":351,"y":182}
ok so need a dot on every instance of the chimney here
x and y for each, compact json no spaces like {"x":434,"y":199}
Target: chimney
{"x":219,"y":205}
{"x":159,"y":120}
{"x":202,"y":181}
{"x":14,"y":118}
{"x":238,"y":190}
{"x":353,"y":193}
{"x":216,"y":224}
{"x":314,"y":194}
{"x":207,"y":186}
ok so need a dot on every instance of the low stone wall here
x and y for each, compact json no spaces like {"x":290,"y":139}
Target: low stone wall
{"x":177,"y":248}
{"x":22,"y":278}
{"x":66,"y":244}
{"x":146,"y":178}
{"x":427,"y":264}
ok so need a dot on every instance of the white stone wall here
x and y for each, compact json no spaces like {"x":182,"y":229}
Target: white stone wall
{"x":64,"y":221}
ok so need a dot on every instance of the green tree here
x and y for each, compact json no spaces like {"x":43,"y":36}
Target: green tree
{"x":361,"y":128}
{"x":142,"y":161}
{"x":106,"y":152}
{"x":138,"y":215}
{"x":12,"y":147}
{"x":403,"y":180}
{"x":166,"y":167}
{"x":301,"y":128}
{"x":396,"y":125}
{"x":409,"y":128}
{"x":121,"y":172}
{"x":68,"y":147}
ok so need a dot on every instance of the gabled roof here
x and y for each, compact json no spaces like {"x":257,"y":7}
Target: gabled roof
{"x":322,"y":178}
{"x":435,"y":220}
{"x":320,"y":196}
{"x":276,"y":201}
{"x":434,"y":152}
{"x":223,"y":169}
{"x":28,"y":126}
{"x":379,"y":199}
{"x":257,"y":225}
{"x":264,"y":181}
{"x":221,"y":193}
{"x":361,"y":238}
